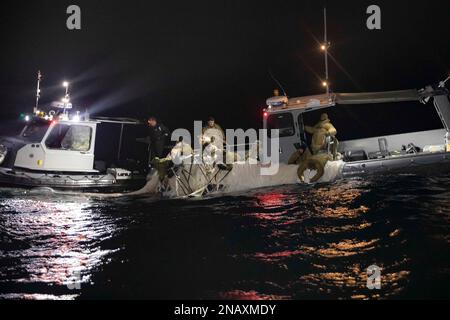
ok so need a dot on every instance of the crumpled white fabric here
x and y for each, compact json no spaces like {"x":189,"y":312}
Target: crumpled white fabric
{"x":332,"y":171}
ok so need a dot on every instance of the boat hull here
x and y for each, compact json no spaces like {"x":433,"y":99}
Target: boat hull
{"x":66,"y":181}
{"x":420,"y":162}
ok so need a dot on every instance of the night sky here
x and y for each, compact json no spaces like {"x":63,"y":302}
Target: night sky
{"x":185,"y":60}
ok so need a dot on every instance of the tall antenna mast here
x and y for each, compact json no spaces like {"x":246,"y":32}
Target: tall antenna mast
{"x":38,"y":92}
{"x":66,"y":98}
{"x":324,"y":48}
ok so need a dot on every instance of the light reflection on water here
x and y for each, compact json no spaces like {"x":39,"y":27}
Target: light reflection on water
{"x":291,"y":242}
{"x":334,"y":233}
{"x":49,"y":240}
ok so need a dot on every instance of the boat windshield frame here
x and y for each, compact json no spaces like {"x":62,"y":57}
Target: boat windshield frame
{"x":40,"y":127}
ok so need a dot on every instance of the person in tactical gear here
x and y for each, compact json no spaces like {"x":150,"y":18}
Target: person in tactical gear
{"x":158,"y":136}
{"x":321,"y":131}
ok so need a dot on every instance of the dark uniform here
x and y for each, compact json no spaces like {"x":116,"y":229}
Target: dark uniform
{"x":159,"y":136}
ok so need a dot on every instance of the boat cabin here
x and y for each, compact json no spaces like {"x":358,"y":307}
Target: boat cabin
{"x":64,"y":145}
{"x":363,"y":137}
{"x":57,"y":145}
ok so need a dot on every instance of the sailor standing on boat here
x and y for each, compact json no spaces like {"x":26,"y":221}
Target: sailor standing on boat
{"x":322,"y":132}
{"x":158,"y":136}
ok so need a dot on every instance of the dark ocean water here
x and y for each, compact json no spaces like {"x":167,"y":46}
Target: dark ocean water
{"x":290,"y":242}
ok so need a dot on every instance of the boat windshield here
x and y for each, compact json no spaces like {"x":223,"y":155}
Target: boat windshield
{"x":69,"y":137}
{"x":284,"y":122}
{"x":35,"y":130}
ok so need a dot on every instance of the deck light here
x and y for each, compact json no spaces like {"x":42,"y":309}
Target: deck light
{"x":65,"y":84}
{"x":76,"y":118}
{"x":325,"y":84}
{"x":323,"y":47}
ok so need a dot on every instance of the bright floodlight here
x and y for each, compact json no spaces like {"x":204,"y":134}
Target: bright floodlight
{"x":324,"y":83}
{"x":65,"y":84}
{"x":323,"y":47}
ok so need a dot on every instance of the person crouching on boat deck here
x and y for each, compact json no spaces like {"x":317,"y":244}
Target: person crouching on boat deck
{"x":301,"y":155}
{"x":306,"y":160}
{"x":212,"y":129}
{"x":180,"y":152}
{"x":321,"y":132}
{"x":158,"y":136}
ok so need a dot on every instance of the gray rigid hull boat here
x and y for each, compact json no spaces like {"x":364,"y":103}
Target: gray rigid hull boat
{"x":406,"y":152}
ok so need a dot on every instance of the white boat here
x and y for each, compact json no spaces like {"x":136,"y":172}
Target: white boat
{"x":423,"y":150}
{"x":56,"y":149}
{"x":405,"y":152}
{"x":60,"y":154}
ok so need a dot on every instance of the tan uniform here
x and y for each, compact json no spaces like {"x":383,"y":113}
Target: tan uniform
{"x":307,"y":161}
{"x":215,"y":127}
{"x":299,"y":157}
{"x":162,"y":166}
{"x":319,"y":132}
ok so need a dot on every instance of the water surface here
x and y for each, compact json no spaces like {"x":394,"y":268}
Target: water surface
{"x":289,"y":242}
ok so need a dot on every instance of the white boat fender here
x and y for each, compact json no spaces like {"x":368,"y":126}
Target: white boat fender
{"x":434,"y":148}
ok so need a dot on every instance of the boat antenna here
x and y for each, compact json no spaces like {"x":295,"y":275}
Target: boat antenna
{"x":277,"y":82}
{"x":38,"y":92}
{"x":325,"y":46}
{"x":442,"y":83}
{"x":66,"y":98}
